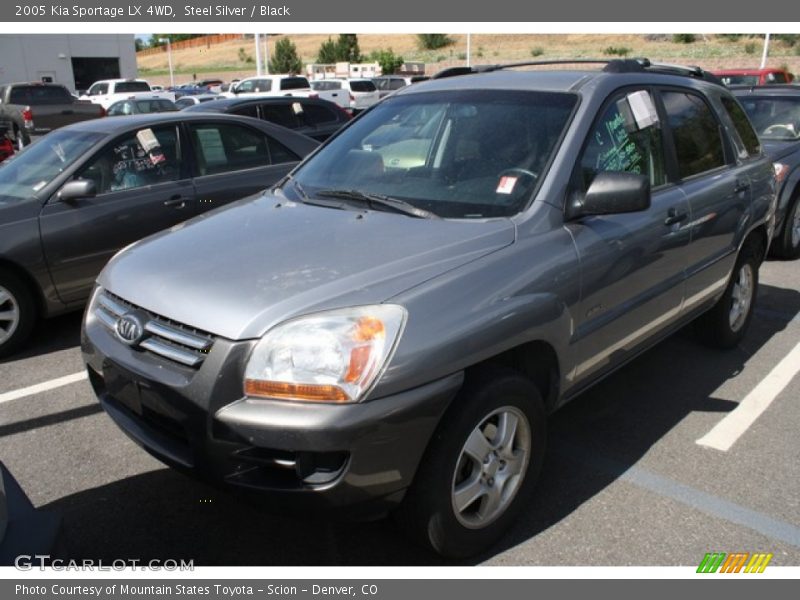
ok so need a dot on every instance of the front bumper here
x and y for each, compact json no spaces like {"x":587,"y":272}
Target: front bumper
{"x":359,"y":457}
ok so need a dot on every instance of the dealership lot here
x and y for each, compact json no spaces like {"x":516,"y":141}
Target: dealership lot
{"x":625,"y":481}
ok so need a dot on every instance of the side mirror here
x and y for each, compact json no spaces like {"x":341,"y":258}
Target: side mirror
{"x":612,"y":193}
{"x":77,"y":189}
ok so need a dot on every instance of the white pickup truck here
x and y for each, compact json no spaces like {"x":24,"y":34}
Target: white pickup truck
{"x":279,"y":85}
{"x":108,"y":91}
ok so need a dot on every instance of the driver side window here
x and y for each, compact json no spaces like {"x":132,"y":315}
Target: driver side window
{"x":613,"y":146}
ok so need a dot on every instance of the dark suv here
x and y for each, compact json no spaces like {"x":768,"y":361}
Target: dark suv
{"x":395,"y":320}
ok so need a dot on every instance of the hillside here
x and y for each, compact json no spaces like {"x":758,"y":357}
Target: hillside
{"x":235,"y":58}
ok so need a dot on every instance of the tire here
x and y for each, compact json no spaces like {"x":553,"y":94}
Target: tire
{"x":786,"y":244}
{"x":726,"y":323}
{"x":449,"y":522}
{"x":17,"y":312}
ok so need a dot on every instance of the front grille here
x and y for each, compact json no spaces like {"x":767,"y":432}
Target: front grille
{"x":164,"y":337}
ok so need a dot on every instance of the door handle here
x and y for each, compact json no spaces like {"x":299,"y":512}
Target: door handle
{"x":741,"y":186}
{"x":177,"y":202}
{"x":675,"y":216}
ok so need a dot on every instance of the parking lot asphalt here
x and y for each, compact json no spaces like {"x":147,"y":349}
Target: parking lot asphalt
{"x":625,"y":481}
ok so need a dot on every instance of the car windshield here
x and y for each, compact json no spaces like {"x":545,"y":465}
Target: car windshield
{"x":457,"y":154}
{"x":37,"y":165}
{"x":774,"y":118}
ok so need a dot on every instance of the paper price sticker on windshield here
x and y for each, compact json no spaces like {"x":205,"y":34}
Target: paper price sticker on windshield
{"x":506,"y":185}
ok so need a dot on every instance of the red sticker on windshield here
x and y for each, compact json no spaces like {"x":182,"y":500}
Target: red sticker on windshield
{"x":506,"y":185}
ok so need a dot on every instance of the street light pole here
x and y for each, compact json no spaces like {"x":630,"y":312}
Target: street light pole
{"x":169,"y":58}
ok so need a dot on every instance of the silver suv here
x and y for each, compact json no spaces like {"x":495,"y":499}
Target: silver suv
{"x":387,"y":329}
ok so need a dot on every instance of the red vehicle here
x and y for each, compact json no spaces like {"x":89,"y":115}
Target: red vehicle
{"x":753,"y":76}
{"x":6,"y":145}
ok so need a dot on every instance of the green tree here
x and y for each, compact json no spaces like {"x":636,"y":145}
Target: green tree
{"x":284,"y":58}
{"x":327,"y":52}
{"x":347,"y":49}
{"x":389,"y":62}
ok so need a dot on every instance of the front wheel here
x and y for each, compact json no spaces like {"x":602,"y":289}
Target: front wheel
{"x":726,"y":323}
{"x":481,"y":467}
{"x":787,"y":242}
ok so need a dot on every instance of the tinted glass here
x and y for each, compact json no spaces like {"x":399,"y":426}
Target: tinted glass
{"x":37,"y":165}
{"x":280,"y":114}
{"x":145,"y":157}
{"x":610,"y":147}
{"x":248,"y":110}
{"x":776,"y":78}
{"x":739,"y":79}
{"x":362,"y":86}
{"x":125,"y":87}
{"x":120,"y":108}
{"x":184,"y":103}
{"x":224,"y":147}
{"x":774,"y":118}
{"x":743,"y":126}
{"x":294,"y":83}
{"x":255,"y":85}
{"x":279,"y":153}
{"x":696,"y":133}
{"x":316,"y":114}
{"x":396,"y":84}
{"x":465,"y":154}
{"x":39,"y":94}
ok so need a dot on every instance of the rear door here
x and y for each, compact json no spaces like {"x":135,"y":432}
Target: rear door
{"x":142,"y":187}
{"x":233,"y":160}
{"x":716,"y":185}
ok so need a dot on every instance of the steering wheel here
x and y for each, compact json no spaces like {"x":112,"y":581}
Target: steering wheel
{"x":779,"y":129}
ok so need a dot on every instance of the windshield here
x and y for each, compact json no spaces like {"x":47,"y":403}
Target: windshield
{"x":774,"y":118}
{"x":37,"y":165}
{"x":460,"y":154}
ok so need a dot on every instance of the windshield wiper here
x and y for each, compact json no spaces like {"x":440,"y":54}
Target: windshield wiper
{"x":395,"y":204}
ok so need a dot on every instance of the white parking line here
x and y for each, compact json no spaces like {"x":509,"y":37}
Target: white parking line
{"x":41,"y":387}
{"x":728,"y":430}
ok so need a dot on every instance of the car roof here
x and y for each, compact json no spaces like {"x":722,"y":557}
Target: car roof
{"x":113,"y":126}
{"x":222,"y":103}
{"x":766,"y":90}
{"x":755,"y":71}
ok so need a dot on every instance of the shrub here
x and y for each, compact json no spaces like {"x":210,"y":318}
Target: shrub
{"x":617,"y":51}
{"x":389,"y":62}
{"x":537,"y":51}
{"x":750,"y":48}
{"x":433,"y":41}
{"x":684,"y":38}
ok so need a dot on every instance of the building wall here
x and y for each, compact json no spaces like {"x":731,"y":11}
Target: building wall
{"x":30,"y":57}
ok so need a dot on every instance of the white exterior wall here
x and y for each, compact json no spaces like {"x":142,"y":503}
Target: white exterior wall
{"x":30,"y":57}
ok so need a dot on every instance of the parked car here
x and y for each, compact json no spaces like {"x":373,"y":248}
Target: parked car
{"x":34,"y":109}
{"x":753,"y":76}
{"x":211,"y":85}
{"x":188,"y":90}
{"x":353,"y":94}
{"x":108,"y":91}
{"x":188,"y":101}
{"x":141,"y":107}
{"x":6,"y":143}
{"x":318,"y":119}
{"x":387,"y":84}
{"x":79,"y":194}
{"x":277,"y":85}
{"x":396,"y":319}
{"x":774,"y":110}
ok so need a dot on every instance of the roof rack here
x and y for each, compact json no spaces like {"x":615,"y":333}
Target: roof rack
{"x":613,"y":65}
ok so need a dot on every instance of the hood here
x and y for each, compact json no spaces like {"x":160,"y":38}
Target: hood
{"x":777,"y":150}
{"x":240,"y":270}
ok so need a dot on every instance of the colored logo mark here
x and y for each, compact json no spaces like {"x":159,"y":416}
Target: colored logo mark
{"x":744,"y":562}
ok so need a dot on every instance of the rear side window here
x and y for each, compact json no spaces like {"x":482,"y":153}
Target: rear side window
{"x":248,"y":110}
{"x":280,"y":153}
{"x":743,"y":126}
{"x":280,"y":114}
{"x":316,"y":114}
{"x":696,"y":132}
{"x":225,"y":147}
{"x":294,"y":83}
{"x":610,"y":147}
{"x":39,"y":95}
{"x":362,"y":86}
{"x":776,"y":78}
{"x":126,"y":87}
{"x":396,"y":84}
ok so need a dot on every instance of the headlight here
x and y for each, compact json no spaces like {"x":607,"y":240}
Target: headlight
{"x":334,"y":356}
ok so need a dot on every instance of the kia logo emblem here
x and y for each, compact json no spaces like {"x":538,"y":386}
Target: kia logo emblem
{"x":130,"y":329}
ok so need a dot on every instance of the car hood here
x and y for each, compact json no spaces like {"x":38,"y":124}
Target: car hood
{"x":238,"y":271}
{"x":777,"y":150}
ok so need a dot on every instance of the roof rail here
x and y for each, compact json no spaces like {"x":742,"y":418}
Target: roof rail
{"x":612,"y":65}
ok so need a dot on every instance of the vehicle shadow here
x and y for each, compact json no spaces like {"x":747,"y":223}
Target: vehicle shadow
{"x":51,"y":335}
{"x":163,"y":514}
